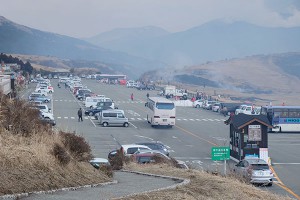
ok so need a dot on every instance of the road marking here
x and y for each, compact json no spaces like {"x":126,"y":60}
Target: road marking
{"x":178,"y":119}
{"x":198,"y":119}
{"x":210,"y":119}
{"x":286,"y":163}
{"x":192,"y":120}
{"x":66,"y":117}
{"x":72,"y":117}
{"x":58,"y":117}
{"x":204,"y":120}
{"x":144,"y":137}
{"x":184,"y":119}
{"x":138,"y":118}
{"x":132,"y":118}
{"x":145,"y":119}
{"x":132,"y":125}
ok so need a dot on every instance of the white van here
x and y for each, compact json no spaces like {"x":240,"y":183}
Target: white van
{"x":91,"y":102}
{"x":113,"y":117}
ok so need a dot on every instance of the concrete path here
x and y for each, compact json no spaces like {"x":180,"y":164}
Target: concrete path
{"x":128,"y":183}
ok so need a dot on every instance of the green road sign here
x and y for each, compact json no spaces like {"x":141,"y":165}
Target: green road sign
{"x":220,"y":153}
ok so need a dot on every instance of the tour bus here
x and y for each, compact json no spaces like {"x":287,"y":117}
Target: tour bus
{"x":161,"y":111}
{"x":283,"y":118}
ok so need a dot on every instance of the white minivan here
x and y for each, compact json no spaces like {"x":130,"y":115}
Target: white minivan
{"x":113,"y":117}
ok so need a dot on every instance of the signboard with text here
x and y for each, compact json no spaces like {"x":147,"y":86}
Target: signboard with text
{"x":254,"y":132}
{"x":220,"y":153}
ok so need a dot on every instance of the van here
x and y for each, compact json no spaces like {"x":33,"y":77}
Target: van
{"x":113,"y":117}
{"x":91,"y":102}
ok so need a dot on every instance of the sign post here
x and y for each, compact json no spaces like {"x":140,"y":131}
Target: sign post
{"x":220,"y":153}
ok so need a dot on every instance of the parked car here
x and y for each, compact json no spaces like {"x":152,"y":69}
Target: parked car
{"x":208,"y":104}
{"x":93,"y":111}
{"x":143,"y":158}
{"x":215,"y":107}
{"x":46,"y":114}
{"x":113,"y":117}
{"x":48,"y":89}
{"x":39,"y":98}
{"x":198,"y":103}
{"x":130,"y":149}
{"x":47,"y":120}
{"x":257,"y":170}
{"x":98,"y":162}
{"x":156,"y":146}
{"x":43,"y":107}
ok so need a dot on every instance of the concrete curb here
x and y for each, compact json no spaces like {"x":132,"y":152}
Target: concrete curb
{"x":181,"y":183}
{"x":20,"y":195}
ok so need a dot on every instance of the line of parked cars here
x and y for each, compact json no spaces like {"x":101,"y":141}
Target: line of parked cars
{"x":139,"y":85}
{"x":227,"y":108}
{"x":40,"y":98}
{"x":101,"y":107}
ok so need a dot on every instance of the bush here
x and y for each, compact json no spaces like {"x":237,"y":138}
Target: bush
{"x":61,"y":154}
{"x":118,"y":160}
{"x":107,"y":169}
{"x":19,"y":118}
{"x":77,"y":146}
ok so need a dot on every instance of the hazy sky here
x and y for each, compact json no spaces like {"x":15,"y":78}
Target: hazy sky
{"x":85,"y":18}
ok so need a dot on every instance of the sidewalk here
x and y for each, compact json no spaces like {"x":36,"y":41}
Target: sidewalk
{"x":128,"y":183}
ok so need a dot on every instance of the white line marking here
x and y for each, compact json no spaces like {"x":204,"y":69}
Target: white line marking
{"x":145,"y":119}
{"x":139,"y":119}
{"x":211,"y":120}
{"x":55,"y":100}
{"x":204,"y":120}
{"x":86,"y":118}
{"x":132,"y":118}
{"x":66,"y":117}
{"x":72,"y":117}
{"x":198,"y":119}
{"x":144,"y":137}
{"x":178,"y":119}
{"x":217,"y":120}
{"x":58,"y":117}
{"x":286,"y":163}
{"x":60,"y":100}
{"x":132,"y":124}
{"x":192,"y":120}
{"x":184,"y":119}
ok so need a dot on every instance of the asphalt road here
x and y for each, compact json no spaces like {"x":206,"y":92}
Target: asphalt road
{"x":196,"y":131}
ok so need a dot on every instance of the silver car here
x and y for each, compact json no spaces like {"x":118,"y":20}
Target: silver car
{"x":113,"y":117}
{"x":257,"y":170}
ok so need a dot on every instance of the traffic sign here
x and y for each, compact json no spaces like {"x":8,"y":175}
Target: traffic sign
{"x":220,"y":153}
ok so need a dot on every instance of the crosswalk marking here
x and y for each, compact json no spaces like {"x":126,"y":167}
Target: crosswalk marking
{"x":145,"y":119}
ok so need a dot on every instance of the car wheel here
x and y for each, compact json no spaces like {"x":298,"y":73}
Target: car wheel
{"x":270,"y":184}
{"x":50,"y":91}
{"x":126,"y":124}
{"x":46,"y":101}
{"x":91,"y":107}
{"x":105,"y":124}
{"x":197,"y":106}
{"x":43,"y":95}
{"x":91,"y":114}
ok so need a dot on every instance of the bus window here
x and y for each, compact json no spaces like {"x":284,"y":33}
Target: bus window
{"x":165,"y":106}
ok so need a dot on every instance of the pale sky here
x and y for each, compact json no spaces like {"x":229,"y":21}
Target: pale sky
{"x":85,"y":18}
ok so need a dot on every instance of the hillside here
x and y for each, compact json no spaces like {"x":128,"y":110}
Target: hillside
{"x":271,"y":77}
{"x":18,"y":39}
{"x":215,"y":40}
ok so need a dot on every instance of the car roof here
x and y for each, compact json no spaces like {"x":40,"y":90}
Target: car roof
{"x":99,"y":160}
{"x":258,"y":161}
{"x":127,"y":146}
{"x":151,"y":142}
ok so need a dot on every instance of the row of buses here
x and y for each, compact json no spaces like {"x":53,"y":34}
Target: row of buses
{"x":162,"y":111}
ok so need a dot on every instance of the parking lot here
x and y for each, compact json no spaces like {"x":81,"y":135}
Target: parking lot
{"x":196,"y":131}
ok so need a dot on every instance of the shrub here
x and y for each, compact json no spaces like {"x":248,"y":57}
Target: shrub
{"x":61,"y":154}
{"x":107,"y":169}
{"x":77,"y":146}
{"x":118,"y":160}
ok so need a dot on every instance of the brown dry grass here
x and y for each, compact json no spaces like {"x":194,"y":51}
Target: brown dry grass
{"x":28,"y":161}
{"x":27,"y":164}
{"x":202,"y":186}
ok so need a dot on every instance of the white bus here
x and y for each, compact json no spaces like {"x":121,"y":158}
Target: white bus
{"x":283,"y":118}
{"x":161,"y":111}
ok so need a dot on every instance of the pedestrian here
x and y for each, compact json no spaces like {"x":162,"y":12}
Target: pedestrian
{"x":147,"y":95}
{"x":225,"y":111}
{"x":131,"y":96}
{"x":79,"y":113}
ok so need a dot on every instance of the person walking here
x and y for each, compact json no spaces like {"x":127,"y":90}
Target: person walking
{"x":147,"y":95}
{"x":131,"y":96}
{"x":79,"y":113}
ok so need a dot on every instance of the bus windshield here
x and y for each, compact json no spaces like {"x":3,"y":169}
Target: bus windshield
{"x":165,"y":106}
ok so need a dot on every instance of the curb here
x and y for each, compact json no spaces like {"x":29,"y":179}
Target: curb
{"x":181,"y":183}
{"x":20,"y":195}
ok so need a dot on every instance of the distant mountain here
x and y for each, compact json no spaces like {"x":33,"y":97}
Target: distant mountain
{"x":216,"y":40}
{"x":20,"y":39}
{"x":121,"y":35}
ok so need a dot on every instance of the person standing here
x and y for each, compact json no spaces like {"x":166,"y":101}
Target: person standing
{"x":147,"y":95}
{"x":79,"y":113}
{"x":131,"y":96}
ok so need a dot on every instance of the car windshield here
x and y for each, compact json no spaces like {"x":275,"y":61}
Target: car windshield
{"x":260,"y":166}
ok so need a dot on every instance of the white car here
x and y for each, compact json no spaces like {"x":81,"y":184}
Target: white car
{"x":130,"y":149}
{"x":198,"y":103}
{"x":41,"y":92}
{"x":216,"y":107}
{"x":46,"y":115}
{"x":43,"y":107}
{"x":48,"y":89}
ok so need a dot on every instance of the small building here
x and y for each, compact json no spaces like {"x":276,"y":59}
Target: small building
{"x":249,"y":136}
